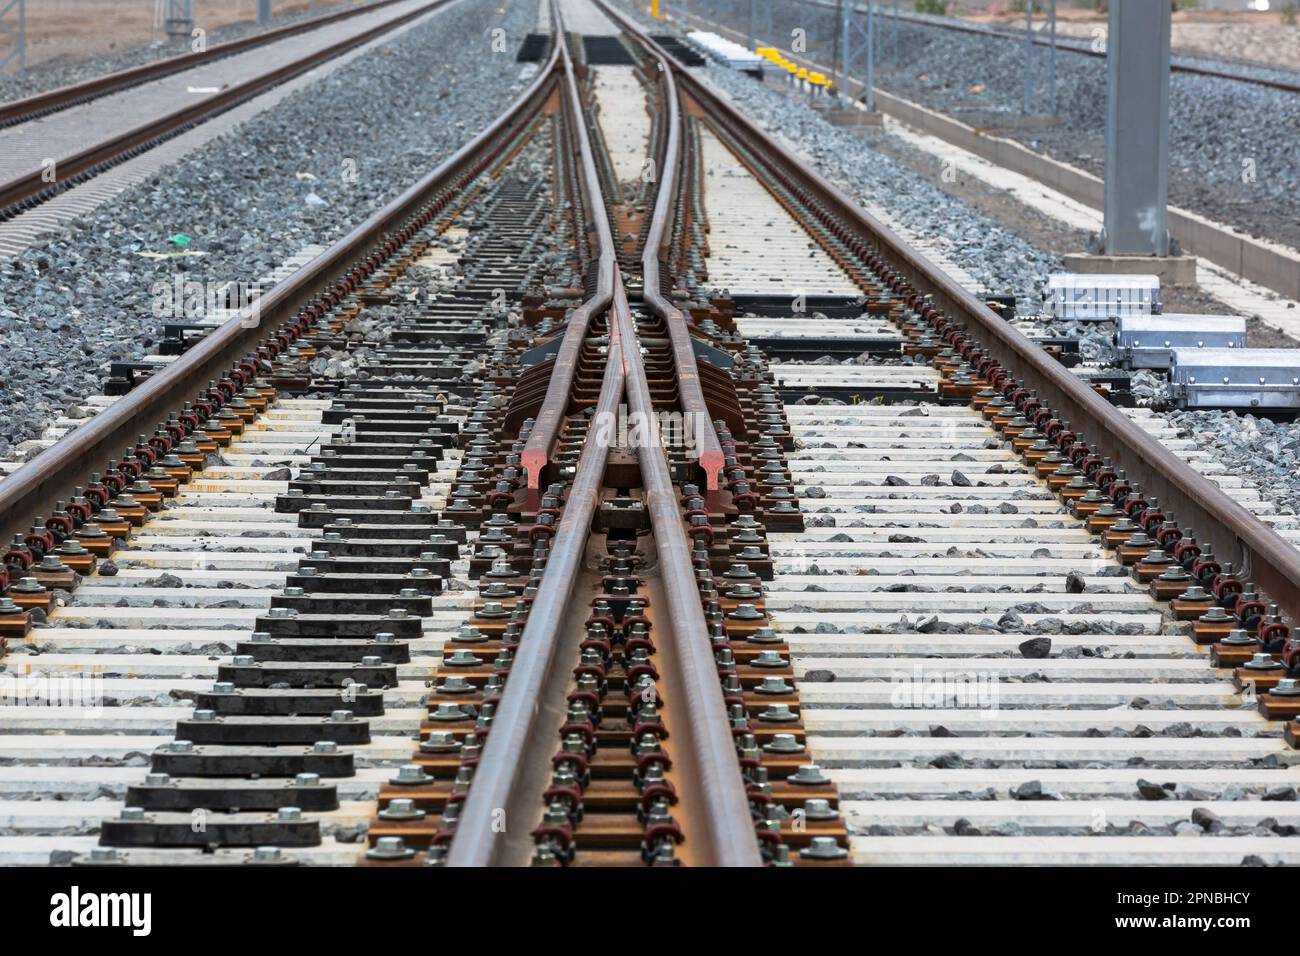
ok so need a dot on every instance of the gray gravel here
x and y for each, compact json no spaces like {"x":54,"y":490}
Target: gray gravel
{"x":999,"y":260}
{"x":73,"y":302}
{"x":1216,"y":124}
{"x":58,"y":72}
{"x":1263,"y":452}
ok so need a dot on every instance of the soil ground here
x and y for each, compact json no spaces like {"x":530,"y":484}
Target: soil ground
{"x":65,"y":31}
{"x":1263,"y":38}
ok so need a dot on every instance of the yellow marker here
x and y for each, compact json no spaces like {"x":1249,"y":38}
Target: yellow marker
{"x":654,"y":9}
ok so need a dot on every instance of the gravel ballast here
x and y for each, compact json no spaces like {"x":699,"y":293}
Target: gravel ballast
{"x":304,"y":172}
{"x":1266,"y":454}
{"x":997,"y":259}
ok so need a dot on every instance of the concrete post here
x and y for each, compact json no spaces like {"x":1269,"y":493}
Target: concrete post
{"x":1137,"y":130}
{"x":13,"y":24}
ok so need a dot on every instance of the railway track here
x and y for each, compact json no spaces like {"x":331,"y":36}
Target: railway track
{"x":53,"y":137}
{"x":74,"y":94}
{"x":497,"y":540}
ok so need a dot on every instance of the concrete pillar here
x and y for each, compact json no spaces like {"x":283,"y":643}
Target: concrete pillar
{"x":1137,"y":129}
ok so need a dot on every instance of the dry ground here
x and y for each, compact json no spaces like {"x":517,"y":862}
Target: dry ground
{"x":70,"y":30}
{"x":1233,"y":35}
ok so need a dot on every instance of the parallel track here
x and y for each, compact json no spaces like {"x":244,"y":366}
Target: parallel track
{"x":58,"y":173}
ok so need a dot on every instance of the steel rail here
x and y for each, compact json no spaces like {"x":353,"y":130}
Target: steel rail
{"x":504,"y":779}
{"x":56,"y":471}
{"x":555,"y":404}
{"x":24,"y":191}
{"x":703,"y":749}
{"x":653,"y":254}
{"x":1236,"y":534}
{"x":42,"y":104}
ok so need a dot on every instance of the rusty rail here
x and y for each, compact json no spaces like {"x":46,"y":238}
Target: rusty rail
{"x":41,"y":104}
{"x":31,"y":188}
{"x":506,"y":777}
{"x":655,"y":253}
{"x":55,"y":472}
{"x":541,"y":440}
{"x":1235,"y":533}
{"x":712,"y":784}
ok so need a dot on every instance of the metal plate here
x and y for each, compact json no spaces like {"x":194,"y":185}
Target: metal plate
{"x":1236,"y":378}
{"x":1099,"y":297}
{"x":1148,"y":341}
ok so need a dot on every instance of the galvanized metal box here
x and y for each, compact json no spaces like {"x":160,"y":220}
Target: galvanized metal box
{"x":1236,"y":378}
{"x":1095,"y":298}
{"x":1148,"y":341}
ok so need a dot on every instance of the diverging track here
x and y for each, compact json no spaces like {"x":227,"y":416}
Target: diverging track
{"x":439,"y":593}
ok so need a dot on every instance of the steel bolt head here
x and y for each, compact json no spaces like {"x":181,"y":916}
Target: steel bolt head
{"x":809,"y":775}
{"x":410,"y":774}
{"x":823,"y":848}
{"x":774,"y":685}
{"x":1263,"y":662}
{"x":390,"y":848}
{"x":819,"y":808}
{"x":783,"y":744}
{"x":778,"y":713}
{"x":440,"y":741}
